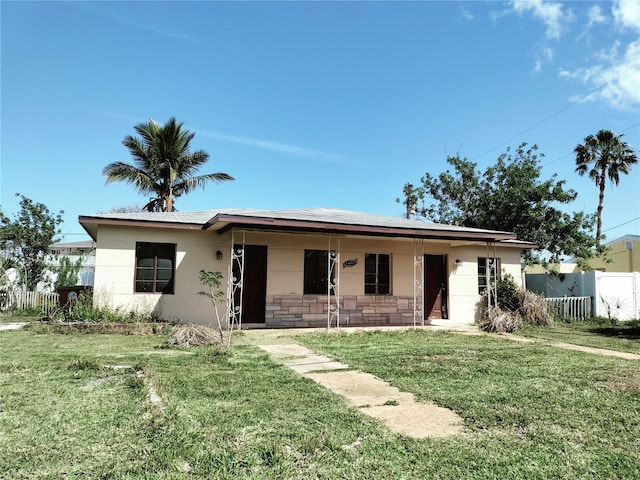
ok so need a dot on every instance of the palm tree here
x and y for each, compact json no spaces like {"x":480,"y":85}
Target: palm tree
{"x":163,"y":166}
{"x":604,"y":155}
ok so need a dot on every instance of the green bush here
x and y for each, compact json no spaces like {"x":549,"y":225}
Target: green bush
{"x":507,"y":294}
{"x":26,"y":312}
{"x":84,"y":310}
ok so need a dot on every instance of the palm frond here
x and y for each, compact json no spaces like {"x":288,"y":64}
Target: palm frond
{"x":190,"y":184}
{"x":123,"y":172}
{"x":163,"y":164}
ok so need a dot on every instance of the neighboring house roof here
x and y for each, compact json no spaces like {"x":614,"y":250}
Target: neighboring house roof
{"x":320,"y":220}
{"x":72,"y":248}
{"x":633,"y":238}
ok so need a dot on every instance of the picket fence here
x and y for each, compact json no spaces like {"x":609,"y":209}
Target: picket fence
{"x":578,"y":308}
{"x":47,"y":302}
{"x":613,"y":294}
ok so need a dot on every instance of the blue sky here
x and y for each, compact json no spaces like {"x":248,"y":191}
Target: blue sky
{"x":312,"y":104}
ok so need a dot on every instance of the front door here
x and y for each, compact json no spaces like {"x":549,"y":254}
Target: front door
{"x":254,"y":284}
{"x":435,"y":286}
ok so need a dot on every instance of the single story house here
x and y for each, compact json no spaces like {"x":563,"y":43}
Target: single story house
{"x":298,"y":268}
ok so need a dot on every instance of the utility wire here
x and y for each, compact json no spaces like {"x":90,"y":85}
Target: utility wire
{"x":625,"y":223}
{"x":558,"y":112}
{"x":571,"y":153}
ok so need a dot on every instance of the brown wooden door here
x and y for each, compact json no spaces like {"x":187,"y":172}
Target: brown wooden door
{"x":435,"y":286}
{"x":254,"y":285}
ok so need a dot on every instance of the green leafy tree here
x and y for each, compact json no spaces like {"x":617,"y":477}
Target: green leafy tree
{"x":164,"y":166}
{"x":604,"y":155}
{"x":67,"y":271}
{"x":507,"y":196}
{"x":25,"y":241}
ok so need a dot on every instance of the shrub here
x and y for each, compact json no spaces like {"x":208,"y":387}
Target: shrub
{"x":84,"y":309}
{"x":515,"y":309}
{"x":26,"y":312}
{"x":507,"y":295}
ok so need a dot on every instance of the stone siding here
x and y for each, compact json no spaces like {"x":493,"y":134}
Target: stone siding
{"x":355,"y":310}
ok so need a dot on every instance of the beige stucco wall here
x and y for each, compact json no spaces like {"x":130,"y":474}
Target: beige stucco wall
{"x":464,"y":298}
{"x":621,"y":259}
{"x":115,"y":258}
{"x":195,"y":250}
{"x":285,"y":260}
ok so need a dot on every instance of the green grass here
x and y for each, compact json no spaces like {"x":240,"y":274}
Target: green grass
{"x":530,"y":411}
{"x":535,"y":411}
{"x":24,"y":316}
{"x":621,"y":336}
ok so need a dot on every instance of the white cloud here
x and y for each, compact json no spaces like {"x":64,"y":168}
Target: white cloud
{"x":248,"y":141}
{"x":616,"y":80}
{"x":550,"y":13}
{"x":627,"y":13}
{"x":615,"y":75}
{"x":546,"y":56}
{"x":466,"y":14}
{"x":537,"y":68}
{"x":273,"y":146}
{"x":595,"y":16}
{"x":139,"y":23}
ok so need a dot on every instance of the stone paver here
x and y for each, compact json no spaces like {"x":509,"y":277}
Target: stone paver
{"x":361,"y":389}
{"x":399,"y":411}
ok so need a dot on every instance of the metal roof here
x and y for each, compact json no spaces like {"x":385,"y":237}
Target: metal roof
{"x":305,"y":219}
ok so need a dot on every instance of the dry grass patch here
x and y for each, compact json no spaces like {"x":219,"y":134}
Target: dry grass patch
{"x":521,"y":308}
{"x":152,"y":328}
{"x":623,"y":380}
{"x":185,"y":336}
{"x":534,"y":308}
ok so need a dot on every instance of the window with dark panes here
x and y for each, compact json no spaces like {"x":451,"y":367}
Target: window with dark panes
{"x":316,"y":271}
{"x":377,"y":273}
{"x":488,"y":270}
{"x":155,"y":267}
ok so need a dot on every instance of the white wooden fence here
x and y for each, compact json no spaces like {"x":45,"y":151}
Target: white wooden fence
{"x":578,"y":308}
{"x":17,"y":299}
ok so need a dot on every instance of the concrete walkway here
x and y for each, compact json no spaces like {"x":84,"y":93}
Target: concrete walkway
{"x":12,"y":326}
{"x":572,"y":346}
{"x":399,"y":411}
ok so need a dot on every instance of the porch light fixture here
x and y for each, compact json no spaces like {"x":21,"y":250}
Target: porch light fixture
{"x":219,"y":255}
{"x":458,"y":262}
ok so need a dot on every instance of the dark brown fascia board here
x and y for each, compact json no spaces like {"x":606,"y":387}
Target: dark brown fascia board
{"x":82,"y":219}
{"x":239,"y":221}
{"x":306,"y":226}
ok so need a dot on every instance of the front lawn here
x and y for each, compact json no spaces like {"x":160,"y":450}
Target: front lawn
{"x":621,"y":336}
{"x":530,"y":411}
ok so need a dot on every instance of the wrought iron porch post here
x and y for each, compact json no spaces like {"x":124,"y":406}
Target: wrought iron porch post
{"x":418,"y":282}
